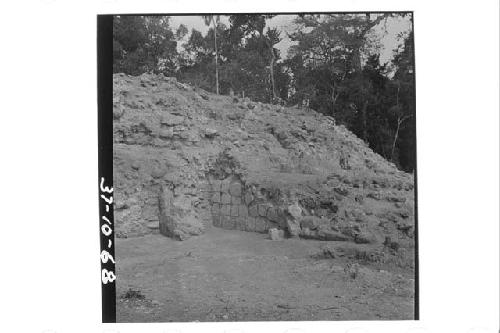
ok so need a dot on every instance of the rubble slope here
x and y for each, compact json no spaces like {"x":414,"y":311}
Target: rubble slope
{"x":169,"y":136}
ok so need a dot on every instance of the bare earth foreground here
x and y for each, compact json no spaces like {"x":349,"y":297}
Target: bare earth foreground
{"x":229,"y":275}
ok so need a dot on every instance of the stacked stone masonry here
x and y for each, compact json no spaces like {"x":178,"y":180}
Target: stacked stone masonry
{"x":234,"y":206}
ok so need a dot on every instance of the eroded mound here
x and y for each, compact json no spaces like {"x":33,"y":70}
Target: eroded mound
{"x":182,"y":154}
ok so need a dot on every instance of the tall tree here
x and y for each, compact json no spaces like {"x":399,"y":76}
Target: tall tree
{"x":214,"y":19}
{"x":260,"y":41}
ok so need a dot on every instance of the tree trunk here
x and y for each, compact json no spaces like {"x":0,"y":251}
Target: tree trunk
{"x":400,"y":121}
{"x":395,"y":139}
{"x":216,"y":56}
{"x":363,"y":121}
{"x":271,"y":66}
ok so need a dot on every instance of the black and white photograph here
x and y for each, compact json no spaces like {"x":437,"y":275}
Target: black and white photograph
{"x":264,"y":167}
{"x":250,"y":166}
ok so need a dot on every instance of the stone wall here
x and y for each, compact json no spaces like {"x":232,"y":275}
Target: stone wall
{"x":236,"y":206}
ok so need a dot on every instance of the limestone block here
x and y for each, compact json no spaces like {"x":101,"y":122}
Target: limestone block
{"x":260,"y":225}
{"x":225,"y":210}
{"x":253,"y":211}
{"x":205,"y":187}
{"x":234,"y":210}
{"x":235,"y":200}
{"x":216,"y":209}
{"x":276,"y":234}
{"x":262,"y":210}
{"x":243,"y":211}
{"x":225,"y":184}
{"x":216,"y":185}
{"x":235,"y":189}
{"x":241,"y":223}
{"x":250,"y":224}
{"x":226,"y":222}
{"x":272,"y":215}
{"x":216,"y":221}
{"x":293,"y":228}
{"x":171,"y":120}
{"x":176,"y":218}
{"x":226,"y":198}
{"x":216,"y":197}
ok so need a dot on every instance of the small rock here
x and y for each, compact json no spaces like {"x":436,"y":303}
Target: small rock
{"x":166,"y":133}
{"x":158,"y":172}
{"x":310,"y":222}
{"x":276,"y":234}
{"x":295,"y":211}
{"x":210,"y":133}
{"x":135,"y":165}
{"x":171,"y":120}
{"x":330,"y":235}
{"x":365,"y":238}
{"x":118,"y":112}
{"x":153,"y":225}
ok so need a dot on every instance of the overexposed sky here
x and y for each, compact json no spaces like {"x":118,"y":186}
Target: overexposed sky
{"x":388,"y":31}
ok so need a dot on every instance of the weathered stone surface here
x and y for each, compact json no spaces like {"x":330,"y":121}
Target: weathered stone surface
{"x":153,"y":225}
{"x":365,"y":237}
{"x":225,"y":210}
{"x":241,"y":223}
{"x":216,"y":185}
{"x":272,"y":215}
{"x":243,"y":211}
{"x":235,"y":200}
{"x":118,"y":111}
{"x":293,"y":227}
{"x":250,"y":224}
{"x":234,"y":210}
{"x":225,"y":184}
{"x":260,"y":225}
{"x":295,"y":211}
{"x":210,"y":133}
{"x":166,"y":133}
{"x":227,"y":222}
{"x":235,"y":189}
{"x":226,"y":198}
{"x":248,"y":198}
{"x":262,"y":210}
{"x":177,"y":218}
{"x":158,"y":172}
{"x":216,"y":209}
{"x":276,"y":234}
{"x":253,"y":211}
{"x":216,"y":197}
{"x":171,"y":120}
{"x":310,"y":222}
{"x":330,"y":235}
{"x":216,"y":220}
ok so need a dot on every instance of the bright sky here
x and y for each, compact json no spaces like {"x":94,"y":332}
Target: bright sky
{"x":394,"y":26}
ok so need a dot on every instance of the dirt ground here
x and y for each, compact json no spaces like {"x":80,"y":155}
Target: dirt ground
{"x":229,"y":275}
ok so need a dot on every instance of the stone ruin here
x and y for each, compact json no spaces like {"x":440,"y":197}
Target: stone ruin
{"x":185,"y":160}
{"x":234,"y":206}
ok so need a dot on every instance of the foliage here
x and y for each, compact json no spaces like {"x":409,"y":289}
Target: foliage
{"x":143,"y":44}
